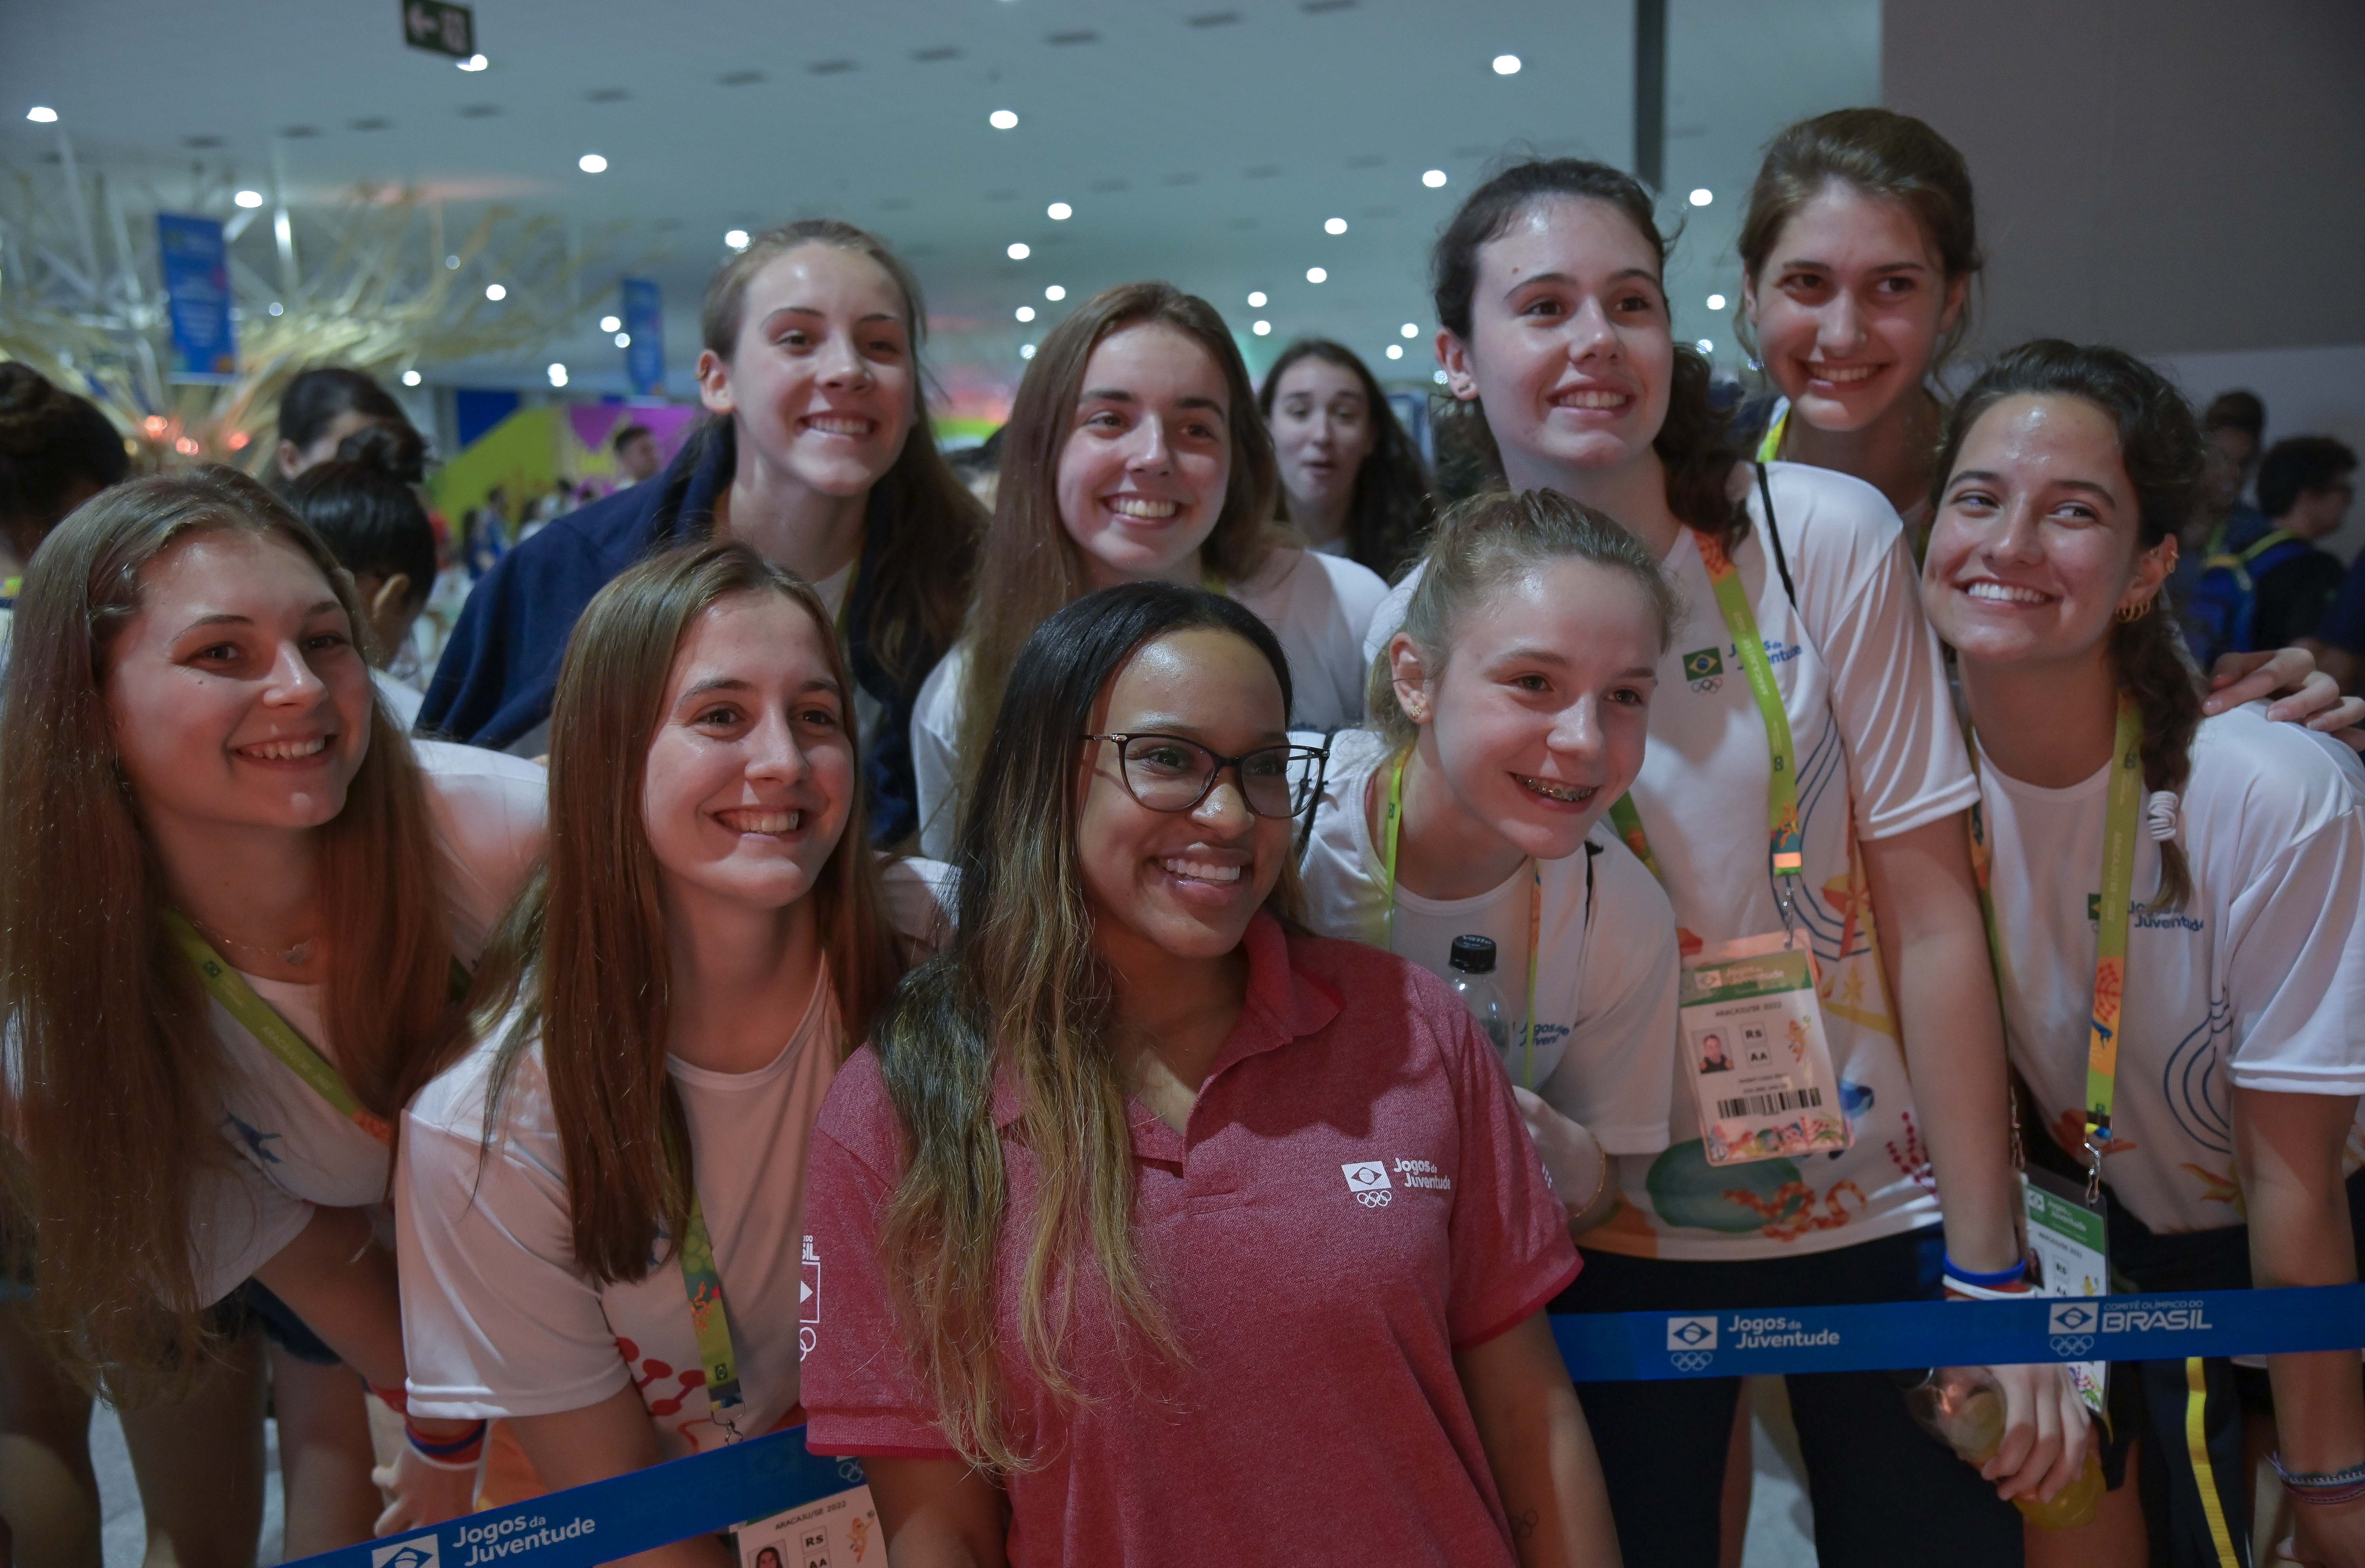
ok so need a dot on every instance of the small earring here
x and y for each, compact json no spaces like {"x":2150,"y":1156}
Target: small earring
{"x":2135,"y":612}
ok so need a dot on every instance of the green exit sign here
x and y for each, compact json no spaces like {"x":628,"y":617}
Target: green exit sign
{"x":438,"y":25}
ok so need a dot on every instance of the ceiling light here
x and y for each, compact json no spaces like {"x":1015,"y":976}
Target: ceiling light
{"x":247,"y":198}
{"x":1334,"y":226}
{"x":1019,"y":253}
{"x":1716,"y":301}
{"x":1433,"y":179}
{"x":1410,"y":328}
{"x":1002,"y":119}
{"x":1055,"y":293}
{"x":41,"y":116}
{"x":624,"y":339}
{"x":155,"y":425}
{"x":1702,"y":197}
{"x":1507,"y":65}
{"x":592,"y":163}
{"x":1396,"y":351}
{"x":238,"y":438}
{"x":735,"y":238}
{"x":410,"y":378}
{"x":1256,"y":299}
{"x":1026,"y":351}
{"x":496,"y":293}
{"x":276,"y":308}
{"x":1026,"y":313}
{"x":188,"y":446}
{"x":558,"y":376}
{"x":1316,"y":275}
{"x":1262,"y":329}
{"x":1705,"y":346}
{"x":611,"y":323}
{"x":452,"y":263}
{"x":474,"y":63}
{"x":1060,"y":211}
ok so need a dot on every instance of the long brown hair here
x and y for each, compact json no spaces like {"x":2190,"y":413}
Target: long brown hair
{"x":932,"y":522}
{"x":1391,"y":509}
{"x":1480,"y":544}
{"x":117,"y":1101}
{"x":582,"y":950}
{"x":1695,"y":444}
{"x":1881,"y":153}
{"x":1031,"y":566}
{"x":2161,"y":449}
{"x":1021,"y":990}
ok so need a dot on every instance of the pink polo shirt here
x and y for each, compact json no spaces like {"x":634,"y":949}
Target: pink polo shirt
{"x":1354,"y":1200}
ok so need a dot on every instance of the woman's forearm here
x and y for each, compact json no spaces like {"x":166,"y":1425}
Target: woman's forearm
{"x":2290,"y":1148}
{"x":1539,"y":1450}
{"x":1935,"y":956}
{"x":611,"y":1438}
{"x":341,"y":1283}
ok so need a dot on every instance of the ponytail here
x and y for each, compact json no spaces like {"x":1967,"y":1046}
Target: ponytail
{"x":2160,"y":447}
{"x":1481,"y":543}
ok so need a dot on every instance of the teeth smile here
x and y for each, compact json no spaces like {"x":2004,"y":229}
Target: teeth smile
{"x":1199,"y":871}
{"x":1143,"y":507}
{"x":753,"y":820}
{"x":1843,"y":375}
{"x":1574,"y":794}
{"x":1594,"y":398}
{"x":286,"y":751}
{"x":2005,"y":593}
{"x":841,"y":424}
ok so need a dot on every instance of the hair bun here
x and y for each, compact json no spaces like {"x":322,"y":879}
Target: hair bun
{"x":395,"y":449}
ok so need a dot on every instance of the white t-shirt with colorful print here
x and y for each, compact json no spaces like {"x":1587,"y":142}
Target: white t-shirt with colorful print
{"x":2256,"y":981}
{"x":1879,"y":753}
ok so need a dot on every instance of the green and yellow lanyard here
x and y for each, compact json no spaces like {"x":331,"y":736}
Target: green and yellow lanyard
{"x":710,"y":1319}
{"x":1391,"y":825}
{"x":1785,"y":854}
{"x":2111,"y":920}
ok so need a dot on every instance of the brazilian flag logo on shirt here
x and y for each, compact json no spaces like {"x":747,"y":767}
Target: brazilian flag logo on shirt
{"x":1702,"y":663}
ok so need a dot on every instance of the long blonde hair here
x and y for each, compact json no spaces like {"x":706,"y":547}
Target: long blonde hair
{"x":116,"y":1100}
{"x":583,"y":946}
{"x":1030,"y":565}
{"x":1022,"y":990}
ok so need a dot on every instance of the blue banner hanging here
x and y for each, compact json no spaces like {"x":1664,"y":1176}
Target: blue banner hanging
{"x":644,"y":323}
{"x":196,"y":263}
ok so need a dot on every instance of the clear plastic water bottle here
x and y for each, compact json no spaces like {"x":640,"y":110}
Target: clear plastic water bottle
{"x":1472,"y":959}
{"x":1961,"y":1408}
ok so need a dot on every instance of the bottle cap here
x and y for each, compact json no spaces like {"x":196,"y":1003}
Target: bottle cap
{"x":1473,"y":955}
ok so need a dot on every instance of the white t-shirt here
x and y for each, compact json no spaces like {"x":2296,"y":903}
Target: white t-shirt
{"x":1319,"y":606}
{"x":1605,"y":941}
{"x":401,"y":698}
{"x":489,"y":810}
{"x":1873,"y":730}
{"x":497,"y":1318}
{"x":2257,"y":982}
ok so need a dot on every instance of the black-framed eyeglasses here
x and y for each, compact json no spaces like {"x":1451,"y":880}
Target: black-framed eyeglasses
{"x":1168,"y":773}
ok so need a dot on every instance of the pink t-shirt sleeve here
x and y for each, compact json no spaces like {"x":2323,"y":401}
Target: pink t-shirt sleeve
{"x":1509,"y":1234}
{"x":860,"y":1394}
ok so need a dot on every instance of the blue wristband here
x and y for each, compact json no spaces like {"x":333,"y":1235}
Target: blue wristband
{"x":1995,"y":1281}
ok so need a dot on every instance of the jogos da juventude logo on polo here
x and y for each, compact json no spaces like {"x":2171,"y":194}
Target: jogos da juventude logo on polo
{"x":1368,"y":1179}
{"x":1702,"y":666}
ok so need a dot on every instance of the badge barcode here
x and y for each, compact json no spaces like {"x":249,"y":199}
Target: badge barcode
{"x":1774,"y":1104}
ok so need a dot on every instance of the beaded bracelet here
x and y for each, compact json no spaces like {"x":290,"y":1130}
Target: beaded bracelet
{"x":2321,"y":1486}
{"x":448,"y":1453}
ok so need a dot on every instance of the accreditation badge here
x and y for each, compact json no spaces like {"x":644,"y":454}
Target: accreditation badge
{"x":2070,"y":1247}
{"x":1755,"y":1052}
{"x":838,"y":1532}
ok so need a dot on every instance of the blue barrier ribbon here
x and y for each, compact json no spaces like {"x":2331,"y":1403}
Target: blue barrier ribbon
{"x":726,"y":1487}
{"x":603,"y":1520}
{"x":1624,"y":1346}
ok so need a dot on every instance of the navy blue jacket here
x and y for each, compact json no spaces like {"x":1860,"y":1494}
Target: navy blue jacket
{"x":500,"y":671}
